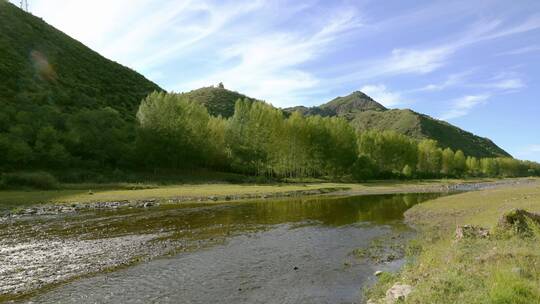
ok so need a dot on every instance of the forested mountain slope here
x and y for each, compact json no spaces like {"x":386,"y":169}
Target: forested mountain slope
{"x":366,"y":114}
{"x":40,"y":65}
{"x":422,"y":126}
{"x":62,"y":103}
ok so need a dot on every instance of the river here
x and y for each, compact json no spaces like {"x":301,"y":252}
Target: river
{"x":296,"y":250}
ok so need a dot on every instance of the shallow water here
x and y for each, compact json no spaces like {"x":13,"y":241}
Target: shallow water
{"x":283,"y":251}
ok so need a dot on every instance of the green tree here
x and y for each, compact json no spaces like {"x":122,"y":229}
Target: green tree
{"x":429,"y":157}
{"x":99,"y":136}
{"x":49,"y":150}
{"x":460,"y":163}
{"x":447,"y":162}
{"x":489,"y":167}
{"x":364,"y":168}
{"x":389,"y":150}
{"x":407,"y":171}
{"x":173,"y":132}
{"x":252,"y":135}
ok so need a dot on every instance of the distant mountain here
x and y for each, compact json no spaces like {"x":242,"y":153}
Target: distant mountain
{"x":40,"y":65}
{"x":218,"y":100}
{"x":422,"y":126}
{"x":347,"y":106}
{"x":364,"y":113}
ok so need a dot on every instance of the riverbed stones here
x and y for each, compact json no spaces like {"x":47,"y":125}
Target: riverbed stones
{"x":378,"y":273}
{"x":34,"y":263}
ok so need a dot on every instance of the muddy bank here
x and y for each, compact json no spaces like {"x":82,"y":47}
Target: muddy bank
{"x":438,"y":188}
{"x":58,"y":208}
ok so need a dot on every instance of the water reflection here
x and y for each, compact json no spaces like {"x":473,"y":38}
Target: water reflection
{"x":274,"y":251}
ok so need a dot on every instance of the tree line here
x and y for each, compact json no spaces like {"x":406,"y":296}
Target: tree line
{"x":261,"y":140}
{"x":173,"y":132}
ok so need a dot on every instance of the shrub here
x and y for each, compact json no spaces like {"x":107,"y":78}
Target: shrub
{"x":36,"y":180}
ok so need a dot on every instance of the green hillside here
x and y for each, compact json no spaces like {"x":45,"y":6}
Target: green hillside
{"x":62,"y":103}
{"x":217,"y":100}
{"x":366,"y":114}
{"x":40,"y":65}
{"x":421,"y":126}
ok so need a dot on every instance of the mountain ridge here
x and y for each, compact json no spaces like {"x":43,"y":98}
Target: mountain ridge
{"x":365,"y":114}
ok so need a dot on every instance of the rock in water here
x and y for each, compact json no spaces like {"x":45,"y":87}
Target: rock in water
{"x":398,"y":292}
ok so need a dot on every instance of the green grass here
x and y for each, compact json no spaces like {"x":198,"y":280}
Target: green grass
{"x":500,"y":269}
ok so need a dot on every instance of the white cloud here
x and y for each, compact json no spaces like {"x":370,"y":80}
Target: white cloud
{"x":382,"y":95}
{"x":520,"y":51}
{"x":529,"y":152}
{"x":404,"y":61}
{"x":451,"y":80}
{"x":534,"y":148}
{"x":505,"y":84}
{"x":141,"y":33}
{"x":506,"y":81}
{"x":267,"y":66}
{"x":462,"y":106}
{"x":183,"y":37}
{"x":427,"y":59}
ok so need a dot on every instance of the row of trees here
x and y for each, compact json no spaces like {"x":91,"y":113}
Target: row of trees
{"x":173,"y":132}
{"x":259,"y":139}
{"x":387,"y":153}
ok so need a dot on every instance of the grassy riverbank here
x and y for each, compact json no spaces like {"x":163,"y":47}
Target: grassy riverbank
{"x":498,"y":269}
{"x":83,"y":193}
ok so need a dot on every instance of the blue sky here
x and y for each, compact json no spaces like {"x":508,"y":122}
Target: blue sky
{"x":475,"y":63}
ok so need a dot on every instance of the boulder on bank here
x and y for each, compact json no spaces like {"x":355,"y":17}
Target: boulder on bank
{"x":471,"y":232}
{"x":398,"y":292}
{"x":519,"y":221}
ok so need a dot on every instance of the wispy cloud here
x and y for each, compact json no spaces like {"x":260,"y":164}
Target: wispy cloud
{"x":451,"y":81}
{"x":462,"y":106}
{"x":381,"y":94}
{"x":142,"y":33}
{"x":521,"y":51}
{"x":505,"y":84}
{"x":204,"y":21}
{"x":426,"y":59}
{"x":529,"y":152}
{"x":267,"y":66}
